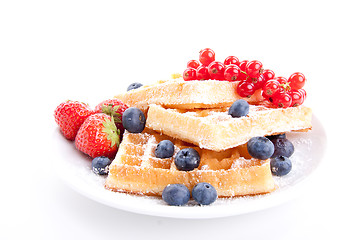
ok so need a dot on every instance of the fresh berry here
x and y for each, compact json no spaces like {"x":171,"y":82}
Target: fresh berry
{"x":281,"y":80}
{"x":134,"y":85}
{"x":232,"y":60}
{"x":268,"y":74}
{"x":204,"y":193}
{"x":243,"y":75}
{"x":216,"y":70}
{"x":239,"y":108}
{"x":207,"y":56}
{"x":303,"y":92}
{"x":165,"y":149}
{"x":297,"y":80}
{"x":100,"y":165}
{"x":258,"y":81}
{"x":282,"y":147}
{"x":113,"y":107}
{"x":273,"y":137}
{"x":98,"y":136}
{"x":176,"y":194}
{"x":245,"y":89}
{"x":193,"y":64}
{"x":187,"y":159}
{"x":133,"y":120}
{"x":202,"y":73}
{"x":232,"y":73}
{"x":297,"y":98}
{"x":260,"y":148}
{"x":280,"y":165}
{"x":270,"y":89}
{"x":189,"y":74}
{"x":282,"y":100}
{"x":254,"y":68}
{"x":70,"y":115}
{"x":284,"y":85}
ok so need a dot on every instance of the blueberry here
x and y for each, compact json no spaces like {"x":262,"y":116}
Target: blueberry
{"x":134,"y":86}
{"x":165,"y":149}
{"x":133,"y":120}
{"x":187,"y":159}
{"x":204,"y":193}
{"x":283,"y":147}
{"x":273,"y":137}
{"x":100,"y":165}
{"x":260,"y":148}
{"x":280,"y":165}
{"x":239,"y":108}
{"x":176,"y":194}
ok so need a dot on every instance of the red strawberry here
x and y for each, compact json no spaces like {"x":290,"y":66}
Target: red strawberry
{"x":113,"y":107}
{"x":98,"y":136}
{"x":70,"y":115}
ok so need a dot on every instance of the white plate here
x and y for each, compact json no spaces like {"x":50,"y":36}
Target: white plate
{"x":75,"y":169}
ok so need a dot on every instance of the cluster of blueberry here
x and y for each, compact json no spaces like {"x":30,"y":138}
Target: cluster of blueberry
{"x":186,"y":159}
{"x":277,"y":147}
{"x":280,"y":163}
{"x":178,"y":194}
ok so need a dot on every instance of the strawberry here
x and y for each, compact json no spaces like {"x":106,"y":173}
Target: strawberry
{"x":70,"y":115}
{"x":113,"y":107}
{"x":98,"y":136}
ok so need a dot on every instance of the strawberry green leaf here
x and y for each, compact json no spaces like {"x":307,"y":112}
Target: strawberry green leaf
{"x":113,"y":134}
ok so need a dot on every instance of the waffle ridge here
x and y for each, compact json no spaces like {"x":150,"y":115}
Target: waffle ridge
{"x":135,"y":169}
{"x":216,"y":130}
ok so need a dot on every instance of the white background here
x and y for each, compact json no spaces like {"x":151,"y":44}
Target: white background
{"x":51,"y":51}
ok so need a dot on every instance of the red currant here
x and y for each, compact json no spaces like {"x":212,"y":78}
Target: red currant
{"x":281,"y":80}
{"x":216,"y":70}
{"x":297,"y":80}
{"x":282,"y":100}
{"x":245,"y":89}
{"x":297,"y":98}
{"x":303,"y":92}
{"x":232,"y":73}
{"x":193,"y":64}
{"x":207,"y":56}
{"x":271,"y":88}
{"x":258,"y":82}
{"x":284,"y":84}
{"x":242,"y":66}
{"x":202,"y":73}
{"x":254,"y":68}
{"x":189,"y":74}
{"x":232,"y":60}
{"x":268,"y":74}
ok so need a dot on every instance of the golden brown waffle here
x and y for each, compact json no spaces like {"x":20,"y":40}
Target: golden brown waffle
{"x":185,"y":94}
{"x":214,"y":129}
{"x":135,"y":169}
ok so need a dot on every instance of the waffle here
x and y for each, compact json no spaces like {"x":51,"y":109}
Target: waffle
{"x":135,"y":168}
{"x":182,"y":94}
{"x":215,"y":130}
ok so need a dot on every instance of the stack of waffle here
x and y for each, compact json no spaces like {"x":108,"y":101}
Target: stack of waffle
{"x":195,"y":114}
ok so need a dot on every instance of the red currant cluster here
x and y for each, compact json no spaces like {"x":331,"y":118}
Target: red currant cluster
{"x":280,"y":91}
{"x":284,"y":92}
